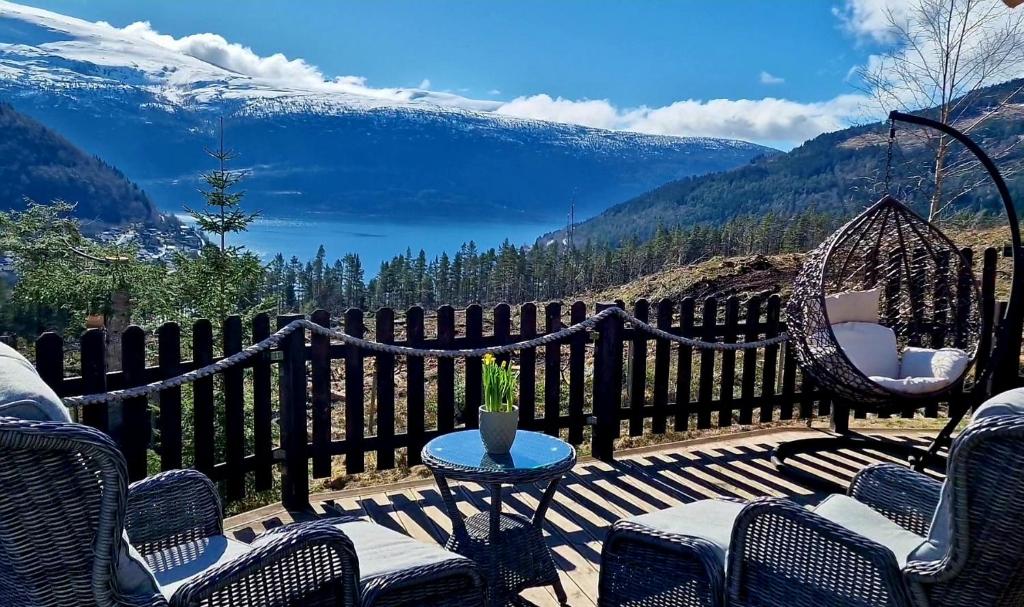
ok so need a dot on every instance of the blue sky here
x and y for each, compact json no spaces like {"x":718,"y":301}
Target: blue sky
{"x":558,"y":59}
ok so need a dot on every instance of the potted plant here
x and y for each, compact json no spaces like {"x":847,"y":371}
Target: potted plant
{"x":499,"y":415}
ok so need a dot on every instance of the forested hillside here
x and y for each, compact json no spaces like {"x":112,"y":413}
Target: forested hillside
{"x":839,"y":173}
{"x":38,"y":164}
{"x":517,"y":274}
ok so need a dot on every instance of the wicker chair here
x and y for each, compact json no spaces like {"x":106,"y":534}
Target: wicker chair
{"x":899,"y":539}
{"x":65,"y":504}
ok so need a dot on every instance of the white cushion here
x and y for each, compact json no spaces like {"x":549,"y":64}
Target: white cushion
{"x":1010,"y":402}
{"x":23,"y":394}
{"x":382,"y":551}
{"x":868,"y":522}
{"x":852,"y":306}
{"x":870,"y":347}
{"x":709,"y":520}
{"x":944,"y":363}
{"x":923,"y":371}
{"x":174,"y":566}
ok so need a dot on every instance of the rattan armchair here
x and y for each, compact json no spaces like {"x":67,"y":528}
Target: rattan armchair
{"x":67,"y":513}
{"x":901,"y":538}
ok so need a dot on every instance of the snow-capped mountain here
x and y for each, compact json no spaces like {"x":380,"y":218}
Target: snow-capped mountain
{"x":147,"y":103}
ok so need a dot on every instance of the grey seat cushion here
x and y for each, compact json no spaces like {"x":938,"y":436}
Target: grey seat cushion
{"x":709,"y":520}
{"x":23,"y":394}
{"x":382,"y":551}
{"x":868,"y":522}
{"x":940,"y":532}
{"x":173,"y":567}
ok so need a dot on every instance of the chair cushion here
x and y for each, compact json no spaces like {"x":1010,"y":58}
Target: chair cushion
{"x":1010,"y":402}
{"x":912,"y":385}
{"x":940,"y":532}
{"x":868,"y":522}
{"x":382,"y":551}
{"x":870,"y":347}
{"x":945,"y":363}
{"x":23,"y":394}
{"x":853,"y":306}
{"x":172,"y":567}
{"x":709,"y":520}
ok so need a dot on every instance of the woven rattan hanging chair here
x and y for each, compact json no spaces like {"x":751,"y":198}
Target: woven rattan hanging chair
{"x":926,"y":295}
{"x":912,"y":288}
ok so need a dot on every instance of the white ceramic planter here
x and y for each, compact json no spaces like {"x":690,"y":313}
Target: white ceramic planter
{"x":498,"y":430}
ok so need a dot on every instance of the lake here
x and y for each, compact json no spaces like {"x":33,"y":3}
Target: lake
{"x":374,"y":242}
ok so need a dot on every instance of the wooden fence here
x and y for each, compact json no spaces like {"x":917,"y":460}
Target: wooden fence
{"x":331,"y":400}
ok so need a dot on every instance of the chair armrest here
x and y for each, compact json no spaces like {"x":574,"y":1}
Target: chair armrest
{"x":172,"y":508}
{"x":311,"y":563}
{"x":905,"y":497}
{"x":782,"y":554}
{"x":639,"y":562}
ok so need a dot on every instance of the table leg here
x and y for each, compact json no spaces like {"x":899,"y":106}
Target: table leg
{"x":458,"y":523}
{"x":538,"y":521}
{"x":496,"y":597}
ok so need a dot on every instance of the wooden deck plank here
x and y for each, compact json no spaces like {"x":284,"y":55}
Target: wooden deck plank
{"x":593,"y":496}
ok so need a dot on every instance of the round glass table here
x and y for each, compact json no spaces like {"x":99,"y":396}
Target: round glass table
{"x":509,"y":547}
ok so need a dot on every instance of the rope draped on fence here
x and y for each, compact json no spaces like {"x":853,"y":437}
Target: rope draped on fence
{"x":275,"y":339}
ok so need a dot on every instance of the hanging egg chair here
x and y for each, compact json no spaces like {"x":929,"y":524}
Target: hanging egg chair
{"x":885,"y":316}
{"x":885,"y":310}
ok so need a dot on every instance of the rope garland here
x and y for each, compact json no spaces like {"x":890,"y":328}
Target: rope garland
{"x":373,"y":346}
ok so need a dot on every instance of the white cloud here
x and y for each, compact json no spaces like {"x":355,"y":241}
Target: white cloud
{"x":773,"y":121}
{"x":778,"y":121}
{"x":870,"y":19}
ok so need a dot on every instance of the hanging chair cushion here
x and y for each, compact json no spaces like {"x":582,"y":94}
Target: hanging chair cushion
{"x":923,"y":370}
{"x":871,"y":347}
{"x":852,"y":306}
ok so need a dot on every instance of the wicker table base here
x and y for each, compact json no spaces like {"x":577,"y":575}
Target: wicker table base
{"x":513,"y":559}
{"x":508,"y":548}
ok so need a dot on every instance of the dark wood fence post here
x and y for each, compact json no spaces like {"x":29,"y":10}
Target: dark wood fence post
{"x":169,"y":361}
{"x":94,"y":378}
{"x":355,"y":410}
{"x":751,"y":332}
{"x":552,"y":369}
{"x":637,"y":375}
{"x":725,"y":394}
{"x":577,"y":368}
{"x":203,"y":414}
{"x":386,"y":391}
{"x":527,"y":367}
{"x":474,"y":367}
{"x":50,"y":360}
{"x":662,"y":349}
{"x":262,"y":408}
{"x":445,"y":370}
{"x":684,"y":376}
{"x":769,"y":373}
{"x":234,"y":411}
{"x":320,"y":380}
{"x":136,"y":428}
{"x":705,"y":389}
{"x":294,"y":434}
{"x":415,"y":387}
{"x":607,"y":386}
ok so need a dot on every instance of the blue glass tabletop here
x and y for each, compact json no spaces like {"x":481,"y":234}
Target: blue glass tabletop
{"x":530,"y":451}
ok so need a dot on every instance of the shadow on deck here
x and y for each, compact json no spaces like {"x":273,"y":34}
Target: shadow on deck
{"x":594,"y":495}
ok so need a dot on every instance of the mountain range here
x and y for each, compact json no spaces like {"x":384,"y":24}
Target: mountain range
{"x":39,"y":165}
{"x":837,"y":173}
{"x":150,"y":109}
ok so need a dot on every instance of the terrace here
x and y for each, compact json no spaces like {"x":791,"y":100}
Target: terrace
{"x":593,"y":496}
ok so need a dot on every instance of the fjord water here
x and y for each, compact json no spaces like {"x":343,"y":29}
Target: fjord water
{"x":375,"y":242}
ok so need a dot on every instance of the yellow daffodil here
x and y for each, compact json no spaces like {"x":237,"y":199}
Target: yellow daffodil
{"x":488,"y":359}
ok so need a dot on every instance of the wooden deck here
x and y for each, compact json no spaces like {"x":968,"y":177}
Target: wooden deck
{"x":593,"y":496}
